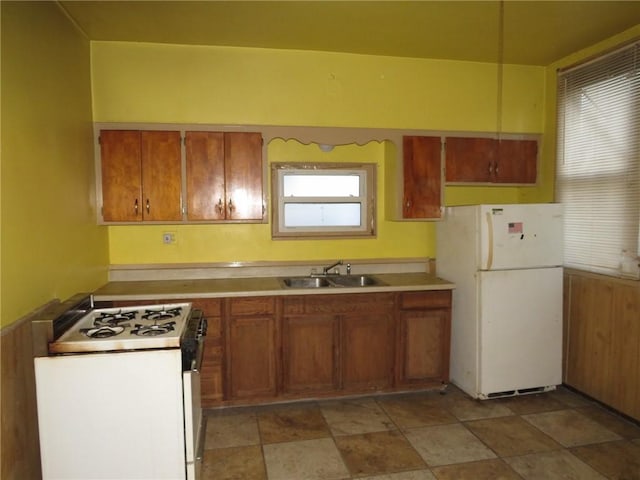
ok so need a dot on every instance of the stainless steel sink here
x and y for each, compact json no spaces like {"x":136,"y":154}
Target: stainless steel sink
{"x":355,"y":281}
{"x":306,"y":282}
{"x":331,"y":281}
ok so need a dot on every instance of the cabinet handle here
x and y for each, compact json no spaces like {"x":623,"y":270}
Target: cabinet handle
{"x":490,"y":167}
{"x":231,"y":206}
{"x":148,"y":206}
{"x":496,"y":167}
{"x":219,"y":206}
{"x":135,"y":206}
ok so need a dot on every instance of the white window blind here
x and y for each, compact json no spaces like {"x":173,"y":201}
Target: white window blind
{"x":598,"y":174}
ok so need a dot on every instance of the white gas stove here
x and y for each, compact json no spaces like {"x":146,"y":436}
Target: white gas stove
{"x":91,"y":363}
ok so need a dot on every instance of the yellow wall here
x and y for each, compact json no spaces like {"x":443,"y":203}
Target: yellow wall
{"x":51,"y":246}
{"x":153,"y":83}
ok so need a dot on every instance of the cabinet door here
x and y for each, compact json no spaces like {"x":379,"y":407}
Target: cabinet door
{"x":211,"y":374}
{"x":487,"y":160}
{"x":121,"y":175}
{"x":161,"y":176}
{"x":243,"y":175}
{"x":251,"y":355}
{"x":309,"y":346}
{"x":470,"y":159}
{"x":252,"y":346}
{"x":422,"y":173}
{"x":423,"y":349}
{"x":517,"y":161}
{"x":367,"y":351}
{"x":205,"y":176}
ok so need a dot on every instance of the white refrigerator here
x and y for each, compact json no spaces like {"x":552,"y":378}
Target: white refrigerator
{"x":506,"y":331}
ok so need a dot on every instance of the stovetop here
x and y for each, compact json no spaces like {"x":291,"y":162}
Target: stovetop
{"x":126,"y":328}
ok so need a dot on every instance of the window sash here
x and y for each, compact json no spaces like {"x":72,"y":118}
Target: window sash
{"x":598,"y":171}
{"x":349,"y":205}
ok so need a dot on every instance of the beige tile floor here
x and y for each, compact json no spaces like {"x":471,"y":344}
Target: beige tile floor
{"x":423,"y":436}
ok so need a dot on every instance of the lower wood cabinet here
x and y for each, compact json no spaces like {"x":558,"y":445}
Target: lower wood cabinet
{"x":602,"y":339}
{"x":424,"y":327}
{"x":212,"y":372}
{"x":252,"y":347}
{"x":367,"y":349}
{"x":310,"y":353}
{"x":301,"y":346}
{"x":335,"y":343}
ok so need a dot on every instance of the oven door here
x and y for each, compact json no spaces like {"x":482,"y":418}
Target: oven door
{"x":193,"y":420}
{"x":111,"y":415}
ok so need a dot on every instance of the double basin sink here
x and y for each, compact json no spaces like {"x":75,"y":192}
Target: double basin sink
{"x":332,"y":281}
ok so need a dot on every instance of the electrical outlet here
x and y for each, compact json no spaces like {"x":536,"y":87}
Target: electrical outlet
{"x":168,"y":238}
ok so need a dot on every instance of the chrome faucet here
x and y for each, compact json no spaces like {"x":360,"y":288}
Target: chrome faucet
{"x":326,"y":270}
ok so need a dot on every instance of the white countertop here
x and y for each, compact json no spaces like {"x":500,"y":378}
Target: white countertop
{"x":256,"y":286}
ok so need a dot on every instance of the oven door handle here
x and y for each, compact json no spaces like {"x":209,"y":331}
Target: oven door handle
{"x":196,"y":363}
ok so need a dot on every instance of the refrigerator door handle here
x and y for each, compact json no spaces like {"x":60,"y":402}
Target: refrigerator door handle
{"x":489,"y":241}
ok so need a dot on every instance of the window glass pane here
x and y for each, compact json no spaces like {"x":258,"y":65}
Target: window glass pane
{"x":296,"y":185}
{"x":322,"y":215}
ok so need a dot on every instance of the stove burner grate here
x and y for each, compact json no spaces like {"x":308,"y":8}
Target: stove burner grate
{"x":103,"y":331}
{"x":112,"y":319}
{"x":162,"y":313}
{"x":153,"y":330}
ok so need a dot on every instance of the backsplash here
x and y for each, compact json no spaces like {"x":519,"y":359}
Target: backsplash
{"x":120,"y":273}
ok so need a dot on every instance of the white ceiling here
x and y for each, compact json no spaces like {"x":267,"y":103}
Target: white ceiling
{"x":535,"y":32}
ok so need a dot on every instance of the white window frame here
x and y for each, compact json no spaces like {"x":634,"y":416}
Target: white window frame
{"x":367,"y":199}
{"x":598,"y":163}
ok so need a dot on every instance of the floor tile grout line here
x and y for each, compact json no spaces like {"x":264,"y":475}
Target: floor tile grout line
{"x":402,"y":432}
{"x":346,"y":466}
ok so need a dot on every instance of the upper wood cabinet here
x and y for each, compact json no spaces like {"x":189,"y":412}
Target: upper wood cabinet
{"x":141,"y":178}
{"x":489,"y":160}
{"x":422,"y":177}
{"x":224,"y":176}
{"x":146,"y":176}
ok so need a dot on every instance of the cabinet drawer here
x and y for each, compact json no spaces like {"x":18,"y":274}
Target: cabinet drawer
{"x":212,"y":307}
{"x":252,"y":306}
{"x":429,"y":299}
{"x":334,"y":304}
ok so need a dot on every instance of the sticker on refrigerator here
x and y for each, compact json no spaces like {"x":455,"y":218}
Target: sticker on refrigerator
{"x":515,"y":227}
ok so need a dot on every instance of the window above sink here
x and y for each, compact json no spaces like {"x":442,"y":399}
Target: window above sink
{"x":323,"y":200}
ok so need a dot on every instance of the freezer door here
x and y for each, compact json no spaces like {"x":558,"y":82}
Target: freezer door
{"x":520,"y":236}
{"x":520,"y":330}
